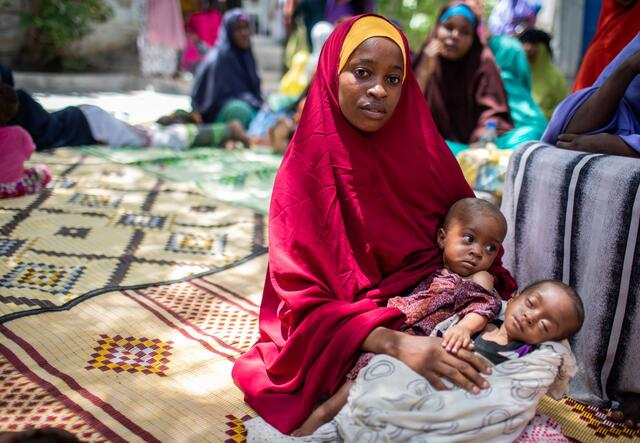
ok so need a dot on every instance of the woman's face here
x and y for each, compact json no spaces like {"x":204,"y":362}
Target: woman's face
{"x":371,"y":83}
{"x":456,"y":36}
{"x":531,"y":49}
{"x":241,"y":34}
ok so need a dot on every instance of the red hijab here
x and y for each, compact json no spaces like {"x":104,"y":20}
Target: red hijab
{"x":617,"y":26}
{"x":352,"y":222}
{"x":465,"y":94}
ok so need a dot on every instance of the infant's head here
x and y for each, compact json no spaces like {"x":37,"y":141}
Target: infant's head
{"x":471,"y":235}
{"x":8,"y":103}
{"x":545,"y":310}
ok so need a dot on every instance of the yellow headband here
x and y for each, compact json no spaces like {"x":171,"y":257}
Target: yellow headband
{"x":367,"y":27}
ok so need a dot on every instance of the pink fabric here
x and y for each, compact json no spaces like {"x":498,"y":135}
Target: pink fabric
{"x":352,"y":223}
{"x":164,"y":24}
{"x":34,"y":180}
{"x":204,"y":26}
{"x":16,"y":147}
{"x":542,"y":429}
{"x":439,"y":297}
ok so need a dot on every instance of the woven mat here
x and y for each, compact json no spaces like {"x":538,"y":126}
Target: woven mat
{"x":136,"y":365}
{"x":154,"y":365}
{"x":586,"y":423}
{"x":242,"y":177}
{"x":102,"y":226}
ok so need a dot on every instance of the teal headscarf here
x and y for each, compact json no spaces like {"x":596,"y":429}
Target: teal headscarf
{"x":528,"y":119}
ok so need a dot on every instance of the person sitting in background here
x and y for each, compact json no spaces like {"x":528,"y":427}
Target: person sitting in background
{"x":227,"y":85}
{"x":16,"y":146}
{"x":549,"y":86}
{"x":527,"y":116}
{"x":604,"y":118}
{"x":460,"y":79}
{"x":619,"y":22}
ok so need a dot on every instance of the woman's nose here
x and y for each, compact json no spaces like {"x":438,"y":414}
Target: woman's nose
{"x":377,"y":90}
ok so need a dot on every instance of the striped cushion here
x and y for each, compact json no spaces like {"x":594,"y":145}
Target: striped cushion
{"x":574,"y":216}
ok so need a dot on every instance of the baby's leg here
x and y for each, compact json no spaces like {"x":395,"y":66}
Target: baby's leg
{"x":325,"y":412}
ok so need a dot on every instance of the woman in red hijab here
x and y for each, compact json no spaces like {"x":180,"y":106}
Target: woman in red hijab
{"x":361,"y":191}
{"x":618,"y":24}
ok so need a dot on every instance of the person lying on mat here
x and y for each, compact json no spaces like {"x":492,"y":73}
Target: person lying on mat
{"x":361,"y":191}
{"x":604,"y":118}
{"x":16,"y":146}
{"x":89,"y":125}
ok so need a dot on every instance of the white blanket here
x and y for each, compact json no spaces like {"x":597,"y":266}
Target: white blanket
{"x":391,"y":403}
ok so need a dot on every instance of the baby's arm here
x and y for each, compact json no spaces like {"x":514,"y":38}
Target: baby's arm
{"x":484,"y":279}
{"x":459,"y":336}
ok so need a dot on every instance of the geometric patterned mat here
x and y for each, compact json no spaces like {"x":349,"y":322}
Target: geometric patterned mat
{"x":154,"y":364}
{"x":100,"y":226}
{"x":150,"y":364}
{"x":586,"y":423}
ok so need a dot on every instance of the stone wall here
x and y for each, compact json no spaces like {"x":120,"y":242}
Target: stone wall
{"x":11,"y":35}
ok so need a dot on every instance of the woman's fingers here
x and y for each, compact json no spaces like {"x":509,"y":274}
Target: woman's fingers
{"x":435,"y":381}
{"x":567,"y":137}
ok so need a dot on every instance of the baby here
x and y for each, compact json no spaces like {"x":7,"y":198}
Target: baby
{"x":16,"y":146}
{"x":470,"y":238}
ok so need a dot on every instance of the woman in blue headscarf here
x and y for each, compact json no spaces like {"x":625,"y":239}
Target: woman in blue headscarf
{"x":227,"y":86}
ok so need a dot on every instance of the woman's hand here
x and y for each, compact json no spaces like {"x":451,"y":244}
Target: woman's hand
{"x":428,"y":62}
{"x":427,"y":357}
{"x":430,"y":55}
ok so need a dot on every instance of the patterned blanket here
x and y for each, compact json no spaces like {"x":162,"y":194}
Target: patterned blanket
{"x":575,"y":217}
{"x":100,"y":226}
{"x":242,"y":177}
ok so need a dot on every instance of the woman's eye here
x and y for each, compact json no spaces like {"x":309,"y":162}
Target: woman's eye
{"x":361,"y":73}
{"x":529,"y":303}
{"x":393,"y":79}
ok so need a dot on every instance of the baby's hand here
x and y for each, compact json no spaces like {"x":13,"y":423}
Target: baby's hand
{"x":457,"y":337}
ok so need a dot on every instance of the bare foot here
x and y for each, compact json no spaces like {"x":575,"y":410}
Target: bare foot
{"x":315,"y":420}
{"x":629,"y":412}
{"x":280,"y":134}
{"x":238,"y":134}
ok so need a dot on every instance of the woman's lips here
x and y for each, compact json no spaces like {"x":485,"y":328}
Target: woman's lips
{"x":373,"y":111}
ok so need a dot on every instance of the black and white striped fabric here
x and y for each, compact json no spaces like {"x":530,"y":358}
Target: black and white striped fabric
{"x":574,"y":217}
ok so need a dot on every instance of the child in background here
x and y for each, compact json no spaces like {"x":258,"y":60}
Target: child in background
{"x":16,"y":146}
{"x":470,"y":238}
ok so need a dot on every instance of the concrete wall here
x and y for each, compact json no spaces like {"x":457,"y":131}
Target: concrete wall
{"x":11,"y":35}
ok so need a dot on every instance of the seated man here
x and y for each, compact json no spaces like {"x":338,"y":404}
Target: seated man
{"x":604,"y":118}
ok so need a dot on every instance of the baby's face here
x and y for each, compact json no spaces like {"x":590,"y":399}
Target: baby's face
{"x":543,"y":313}
{"x":471,"y":246}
